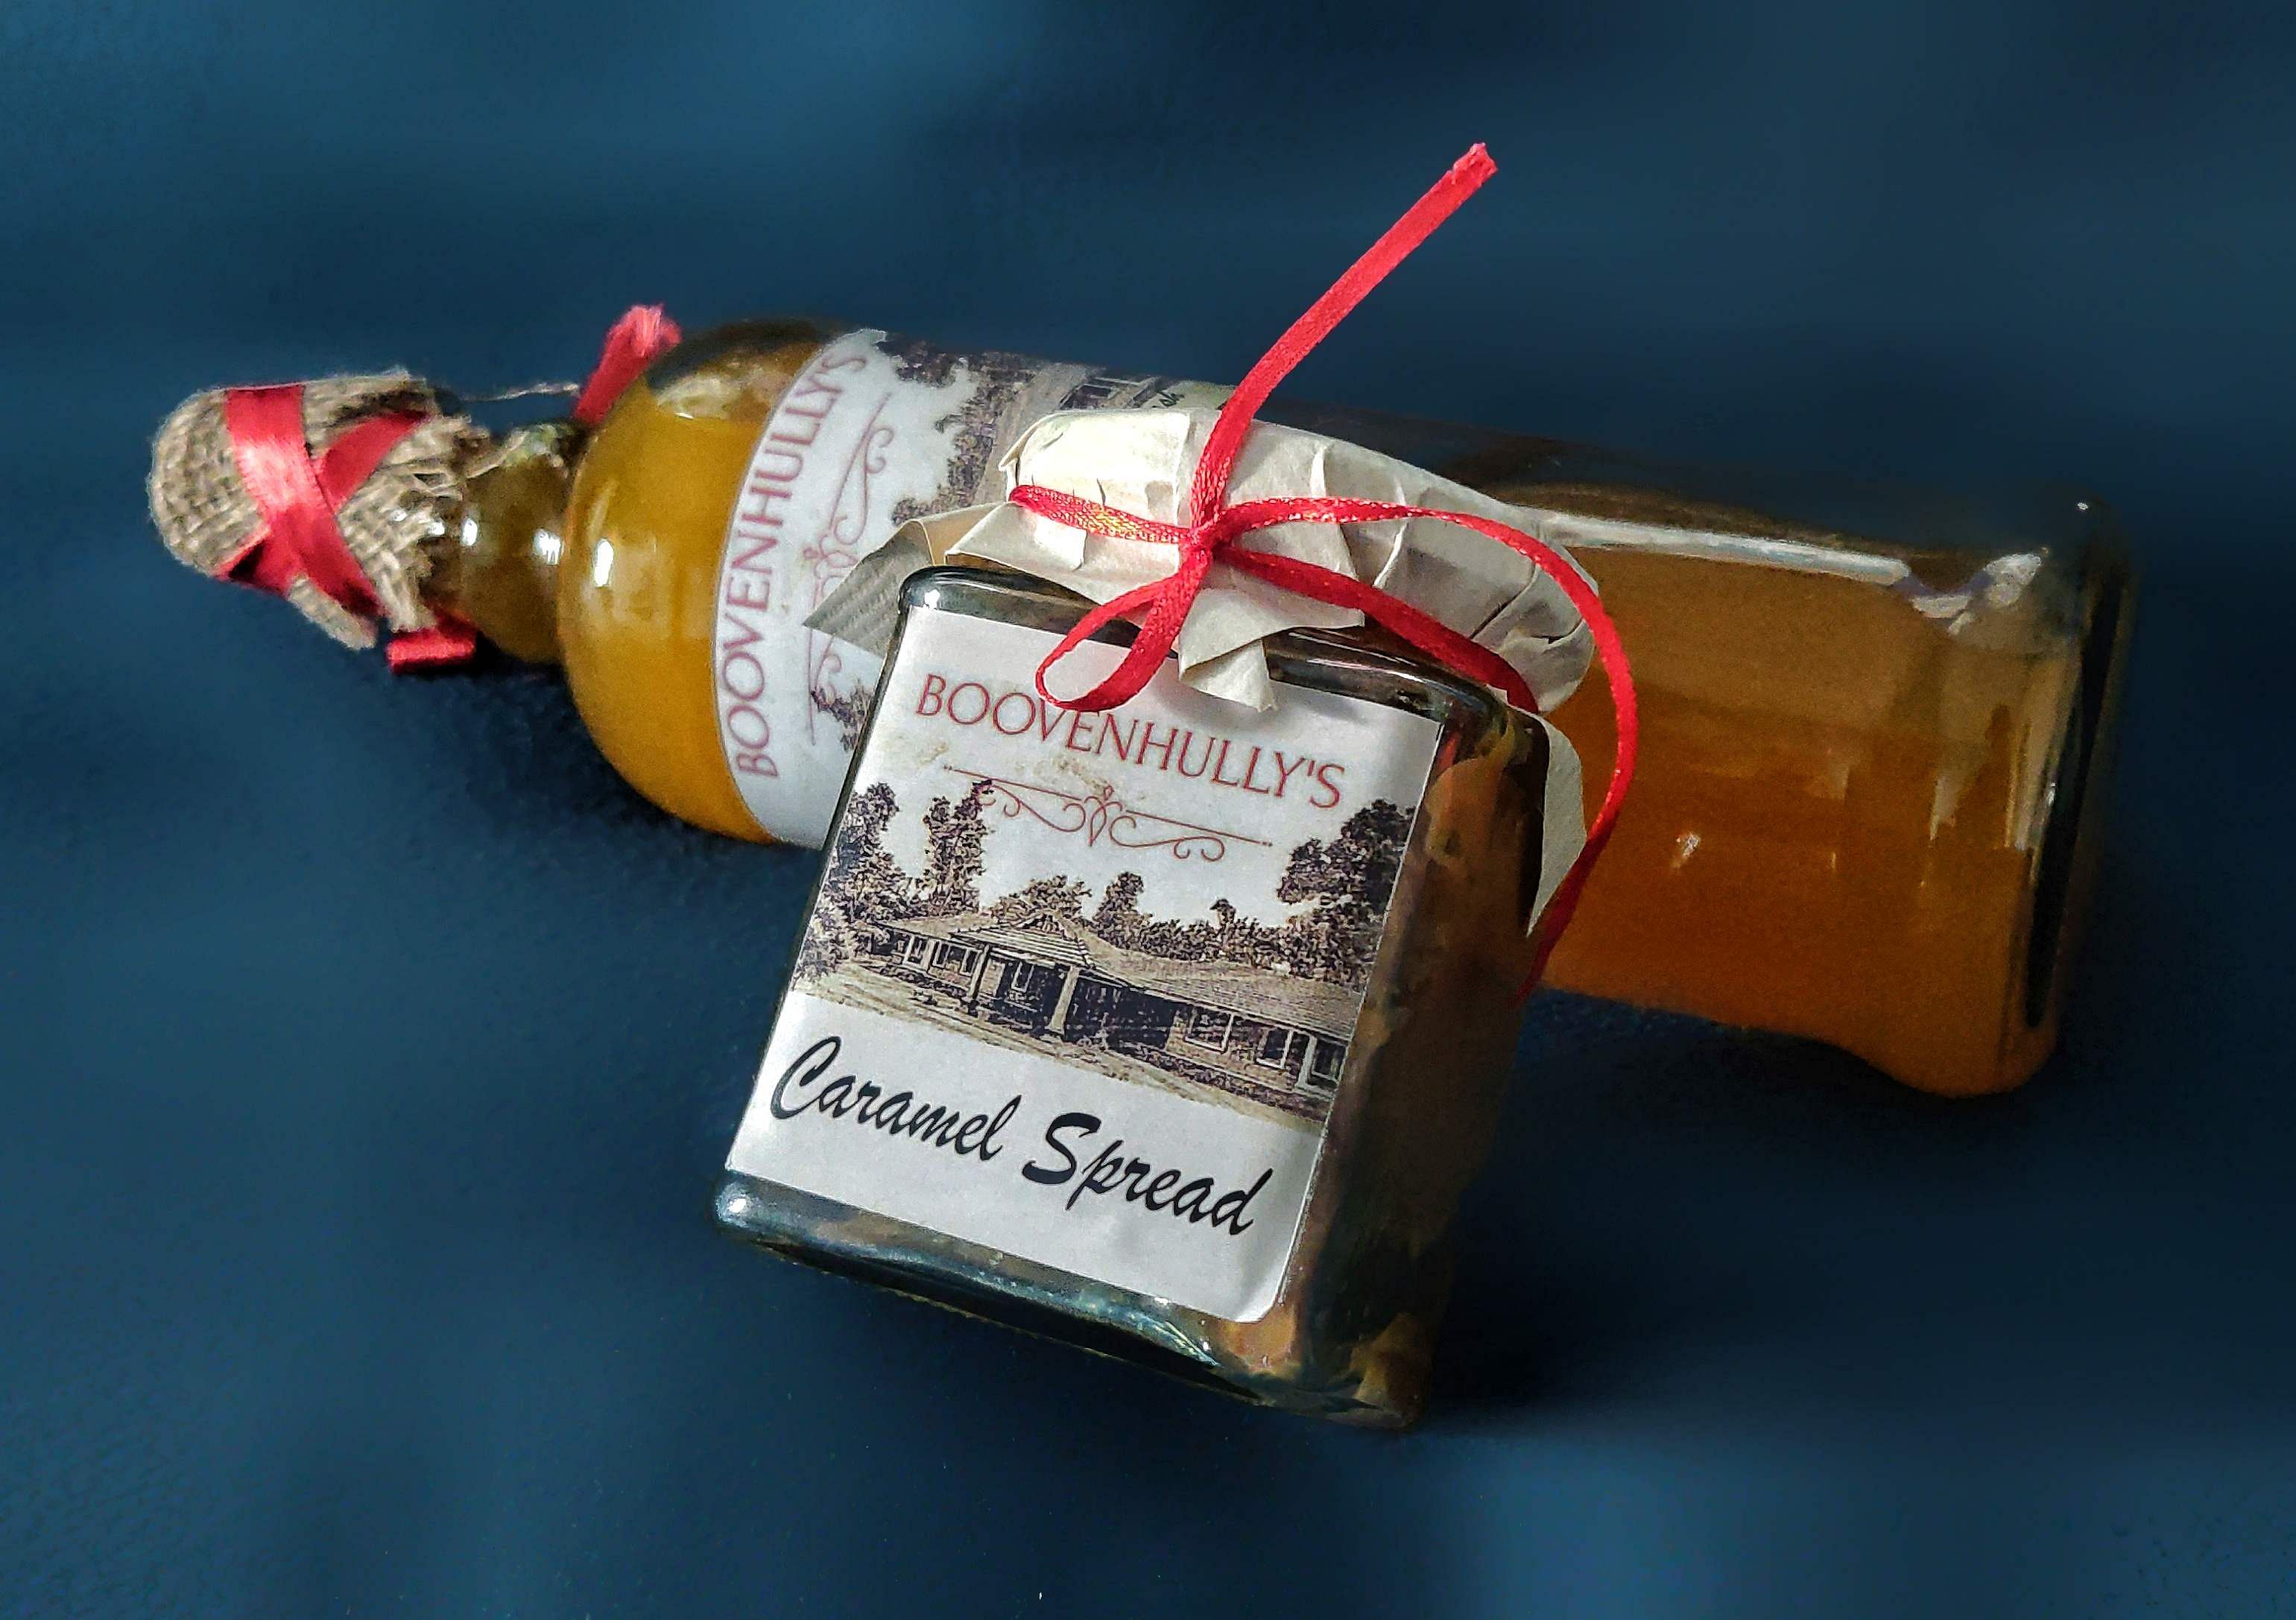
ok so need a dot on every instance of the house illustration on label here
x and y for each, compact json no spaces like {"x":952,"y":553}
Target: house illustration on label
{"x":1282,"y":1036}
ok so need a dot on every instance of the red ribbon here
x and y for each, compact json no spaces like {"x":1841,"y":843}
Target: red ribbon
{"x":1216,"y":533}
{"x":642,"y":336}
{"x":299,"y":495}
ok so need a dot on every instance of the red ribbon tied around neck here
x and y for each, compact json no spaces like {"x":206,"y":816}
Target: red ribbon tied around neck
{"x":1218,"y":531}
{"x":299,"y":494}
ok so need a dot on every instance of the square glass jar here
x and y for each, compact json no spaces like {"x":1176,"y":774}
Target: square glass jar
{"x":981,"y":1093}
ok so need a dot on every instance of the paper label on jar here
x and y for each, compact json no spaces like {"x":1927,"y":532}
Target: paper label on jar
{"x":1082,"y":988}
{"x":875,"y":430}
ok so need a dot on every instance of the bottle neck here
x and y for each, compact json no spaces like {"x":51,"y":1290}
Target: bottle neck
{"x":496,"y":567}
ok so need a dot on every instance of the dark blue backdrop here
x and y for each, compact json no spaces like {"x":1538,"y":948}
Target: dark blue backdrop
{"x":371,"y":1050}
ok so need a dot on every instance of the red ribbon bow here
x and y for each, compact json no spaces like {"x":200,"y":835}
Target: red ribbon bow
{"x":299,"y":494}
{"x":1219,"y":530}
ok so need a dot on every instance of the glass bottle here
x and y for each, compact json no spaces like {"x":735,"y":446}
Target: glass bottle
{"x":1041,"y":1039}
{"x":1884,"y":834}
{"x":1875,"y":728}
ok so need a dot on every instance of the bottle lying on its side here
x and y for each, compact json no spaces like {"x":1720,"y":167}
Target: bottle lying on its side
{"x":1874,"y":726}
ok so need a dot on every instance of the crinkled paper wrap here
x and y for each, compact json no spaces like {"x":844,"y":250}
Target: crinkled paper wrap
{"x":1140,"y":462}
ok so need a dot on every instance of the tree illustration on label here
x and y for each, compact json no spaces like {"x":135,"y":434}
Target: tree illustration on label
{"x":1347,"y":883}
{"x":862,"y":882}
{"x":1043,"y":897}
{"x":1118,"y":919}
{"x":955,"y":834}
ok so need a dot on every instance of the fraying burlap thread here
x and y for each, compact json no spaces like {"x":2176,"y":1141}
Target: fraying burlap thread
{"x":205,"y":516}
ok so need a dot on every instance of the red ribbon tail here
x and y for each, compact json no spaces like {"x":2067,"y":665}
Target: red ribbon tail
{"x":1396,"y":243}
{"x":1563,"y":905}
{"x":640,"y":337}
{"x":445,"y":644}
{"x":1166,"y":601}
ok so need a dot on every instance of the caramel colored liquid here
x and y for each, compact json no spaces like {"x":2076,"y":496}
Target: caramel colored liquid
{"x":637,"y":587}
{"x":1836,"y":823}
{"x":1843,"y":800}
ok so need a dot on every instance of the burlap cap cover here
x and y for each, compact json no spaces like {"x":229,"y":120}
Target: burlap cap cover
{"x":205,"y":517}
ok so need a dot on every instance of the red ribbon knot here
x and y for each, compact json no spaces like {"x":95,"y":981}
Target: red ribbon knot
{"x":1218,"y":531}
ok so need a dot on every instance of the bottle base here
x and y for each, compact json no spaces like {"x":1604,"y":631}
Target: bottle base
{"x":989,"y":1285}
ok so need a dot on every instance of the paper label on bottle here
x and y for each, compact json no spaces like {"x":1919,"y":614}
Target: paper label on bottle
{"x":874,"y":431}
{"x":1082,"y":988}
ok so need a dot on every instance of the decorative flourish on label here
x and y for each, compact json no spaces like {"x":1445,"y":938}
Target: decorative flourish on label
{"x":832,"y":555}
{"x":1099,"y":815}
{"x":849,"y":514}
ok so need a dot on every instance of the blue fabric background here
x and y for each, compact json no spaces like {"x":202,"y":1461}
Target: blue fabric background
{"x":371,"y":1050}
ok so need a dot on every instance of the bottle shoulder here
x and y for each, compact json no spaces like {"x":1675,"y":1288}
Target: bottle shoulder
{"x":734,"y":372}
